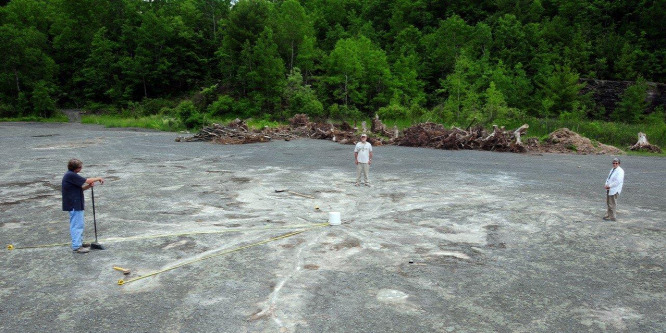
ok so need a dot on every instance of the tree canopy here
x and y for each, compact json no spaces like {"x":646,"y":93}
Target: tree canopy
{"x":463,"y":60}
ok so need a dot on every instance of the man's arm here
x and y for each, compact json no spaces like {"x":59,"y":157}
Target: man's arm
{"x":90,"y":182}
{"x":370,"y":161}
{"x":356,"y":157}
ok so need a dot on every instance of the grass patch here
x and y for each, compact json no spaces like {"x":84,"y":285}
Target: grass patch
{"x":58,"y":118}
{"x":156,"y":122}
{"x":617,"y":134}
{"x":645,"y":153}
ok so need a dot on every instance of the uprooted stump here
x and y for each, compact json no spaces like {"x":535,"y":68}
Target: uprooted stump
{"x":644,"y":145}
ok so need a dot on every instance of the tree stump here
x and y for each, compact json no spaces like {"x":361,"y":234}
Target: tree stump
{"x":644,"y":145}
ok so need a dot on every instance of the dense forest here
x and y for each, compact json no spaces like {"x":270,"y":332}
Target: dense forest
{"x":453,"y":62}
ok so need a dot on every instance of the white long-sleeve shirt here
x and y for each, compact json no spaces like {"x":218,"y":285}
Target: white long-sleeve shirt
{"x":615,"y":180}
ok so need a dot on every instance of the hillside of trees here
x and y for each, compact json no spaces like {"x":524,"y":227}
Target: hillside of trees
{"x":453,"y":62}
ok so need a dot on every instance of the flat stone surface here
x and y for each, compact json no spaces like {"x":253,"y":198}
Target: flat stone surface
{"x":444,"y":241}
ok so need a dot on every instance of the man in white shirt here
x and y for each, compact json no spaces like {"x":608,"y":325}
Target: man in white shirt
{"x":363,"y":157}
{"x":613,"y":187}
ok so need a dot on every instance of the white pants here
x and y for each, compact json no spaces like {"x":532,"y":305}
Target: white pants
{"x":362,"y":168}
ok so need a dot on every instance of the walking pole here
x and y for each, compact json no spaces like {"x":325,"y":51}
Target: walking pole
{"x":95,"y":245}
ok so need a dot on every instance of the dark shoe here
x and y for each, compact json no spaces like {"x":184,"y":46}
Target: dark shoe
{"x":613,"y":219}
{"x":85,"y":245}
{"x":367,"y":184}
{"x":606,"y":218}
{"x":81,"y":250}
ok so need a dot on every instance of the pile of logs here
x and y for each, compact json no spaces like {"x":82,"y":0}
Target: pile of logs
{"x":429,"y":135}
{"x":433,"y":135}
{"x":422,"y":135}
{"x":644,"y":145}
{"x":301,"y":126}
{"x":237,"y":132}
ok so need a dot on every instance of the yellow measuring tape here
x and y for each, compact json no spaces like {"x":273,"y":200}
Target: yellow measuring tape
{"x":11,"y":247}
{"x":122,"y":282}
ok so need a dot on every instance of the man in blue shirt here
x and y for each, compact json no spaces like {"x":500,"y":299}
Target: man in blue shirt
{"x":73,"y":186}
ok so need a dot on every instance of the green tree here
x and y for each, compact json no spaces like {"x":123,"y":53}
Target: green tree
{"x":101,"y":72}
{"x":292,"y":26}
{"x":43,"y":104}
{"x":24,"y":64}
{"x":560,"y":91}
{"x":633,"y":104}
{"x":461,"y":98}
{"x":358,"y":75}
{"x":262,"y":73}
{"x":300,"y":98}
{"x":495,"y":108}
{"x":246,"y":20}
{"x":408,"y":86}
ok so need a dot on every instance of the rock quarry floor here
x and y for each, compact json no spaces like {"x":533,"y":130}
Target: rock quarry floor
{"x":443,"y":241}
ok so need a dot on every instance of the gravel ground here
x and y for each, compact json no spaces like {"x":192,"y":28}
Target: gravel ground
{"x":444,"y":241}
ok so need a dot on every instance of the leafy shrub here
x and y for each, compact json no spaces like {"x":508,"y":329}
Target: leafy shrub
{"x":245,"y":108}
{"x":393,"y":112}
{"x":42,"y":103}
{"x":632,"y":105}
{"x":189,"y":115}
{"x":205,"y":97}
{"x":341,"y":112}
{"x":305,"y":101}
{"x":7,"y":110}
{"x":224,"y":105}
{"x":155,"y":105}
{"x":300,"y":97}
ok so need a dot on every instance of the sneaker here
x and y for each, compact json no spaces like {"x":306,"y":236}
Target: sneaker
{"x":367,"y":184}
{"x":85,"y":245}
{"x":81,"y":250}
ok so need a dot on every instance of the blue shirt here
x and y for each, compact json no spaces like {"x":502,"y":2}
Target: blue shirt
{"x":72,"y":193}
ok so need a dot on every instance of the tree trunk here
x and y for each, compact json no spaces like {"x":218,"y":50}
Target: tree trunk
{"x":291,"y":65}
{"x":18,"y":87}
{"x":346,"y":80}
{"x":145,"y":89}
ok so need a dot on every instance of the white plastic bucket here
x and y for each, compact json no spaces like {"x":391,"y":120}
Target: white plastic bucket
{"x":334,"y":218}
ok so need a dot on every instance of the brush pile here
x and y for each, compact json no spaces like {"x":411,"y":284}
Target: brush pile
{"x":436,"y":136}
{"x":429,"y":135}
{"x":237,"y":132}
{"x":300,"y":125}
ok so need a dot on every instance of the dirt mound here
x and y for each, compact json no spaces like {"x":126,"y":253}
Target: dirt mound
{"x":567,"y":141}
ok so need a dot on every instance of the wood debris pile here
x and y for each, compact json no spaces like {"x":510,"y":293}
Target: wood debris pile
{"x":428,"y":135}
{"x":344,"y":133}
{"x":237,"y":132}
{"x":433,"y":135}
